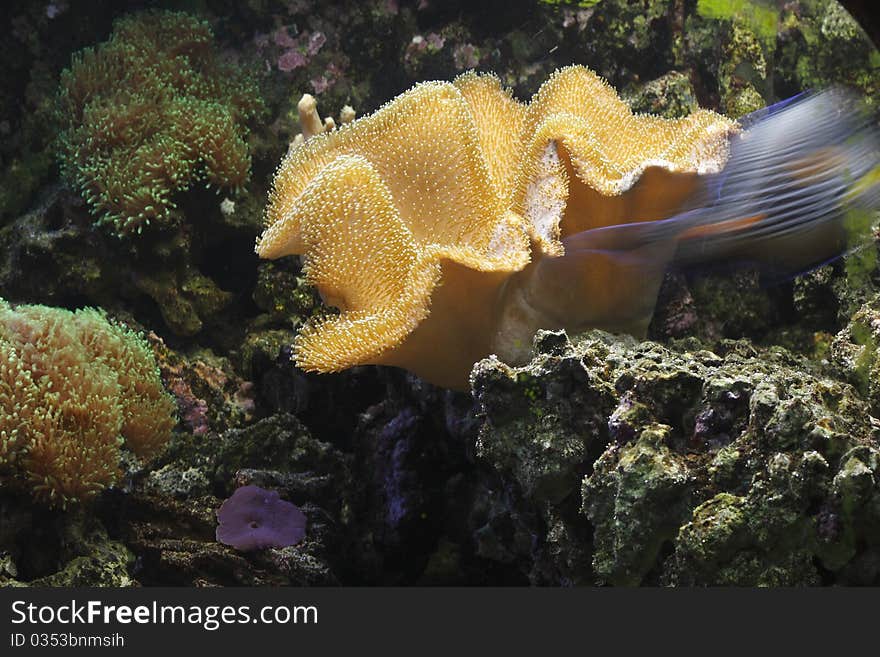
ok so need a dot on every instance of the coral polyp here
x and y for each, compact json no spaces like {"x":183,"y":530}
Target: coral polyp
{"x":149,"y":113}
{"x":74,"y":388}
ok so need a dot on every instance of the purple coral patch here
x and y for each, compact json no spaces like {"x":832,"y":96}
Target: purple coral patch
{"x":255,"y":518}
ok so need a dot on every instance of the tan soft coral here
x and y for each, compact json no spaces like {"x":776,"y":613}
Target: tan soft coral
{"x":423,"y":222}
{"x":616,"y":166}
{"x":74,"y":387}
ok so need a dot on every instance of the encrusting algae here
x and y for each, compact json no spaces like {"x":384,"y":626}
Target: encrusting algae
{"x":456,"y":221}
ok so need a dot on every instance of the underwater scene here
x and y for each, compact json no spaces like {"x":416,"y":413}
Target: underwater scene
{"x":439,"y":292}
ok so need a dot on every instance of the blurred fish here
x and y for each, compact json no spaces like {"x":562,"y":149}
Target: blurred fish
{"x":799,"y":189}
{"x":797,"y":174}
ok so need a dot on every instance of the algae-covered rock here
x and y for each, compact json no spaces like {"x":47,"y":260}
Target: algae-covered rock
{"x":719,"y":546}
{"x":281,"y":292}
{"x":743,"y":72}
{"x":281,"y":444}
{"x":719,"y":467}
{"x":69,"y":549}
{"x":854,"y":352}
{"x":636,"y":498}
{"x":671,"y":96}
{"x":106,"y":564}
{"x":820,"y":44}
{"x":540,"y":424}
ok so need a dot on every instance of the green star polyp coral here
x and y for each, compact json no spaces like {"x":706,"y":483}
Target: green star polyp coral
{"x":75,"y":387}
{"x":147,"y":114}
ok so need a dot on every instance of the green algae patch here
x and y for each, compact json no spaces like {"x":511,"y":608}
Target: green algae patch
{"x":636,"y":499}
{"x":762,"y":19}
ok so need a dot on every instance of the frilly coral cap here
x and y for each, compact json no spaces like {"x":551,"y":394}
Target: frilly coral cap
{"x":412,"y":220}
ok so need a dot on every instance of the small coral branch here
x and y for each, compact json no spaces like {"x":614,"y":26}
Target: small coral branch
{"x":310,"y":121}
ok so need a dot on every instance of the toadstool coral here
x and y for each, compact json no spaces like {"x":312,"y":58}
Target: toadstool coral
{"x":455,"y":221}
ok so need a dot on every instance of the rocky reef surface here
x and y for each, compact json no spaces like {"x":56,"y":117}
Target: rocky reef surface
{"x":742,"y":465}
{"x":738,"y":445}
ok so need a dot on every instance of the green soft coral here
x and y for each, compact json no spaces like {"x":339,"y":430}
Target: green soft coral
{"x":150,"y":112}
{"x":75,"y":387}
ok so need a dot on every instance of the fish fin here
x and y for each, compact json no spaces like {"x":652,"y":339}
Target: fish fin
{"x":794,"y":179}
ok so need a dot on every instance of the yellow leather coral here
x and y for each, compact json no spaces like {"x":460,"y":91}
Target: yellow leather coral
{"x":455,"y":221}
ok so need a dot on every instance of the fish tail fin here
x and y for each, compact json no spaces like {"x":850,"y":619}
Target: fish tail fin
{"x":798,"y":190}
